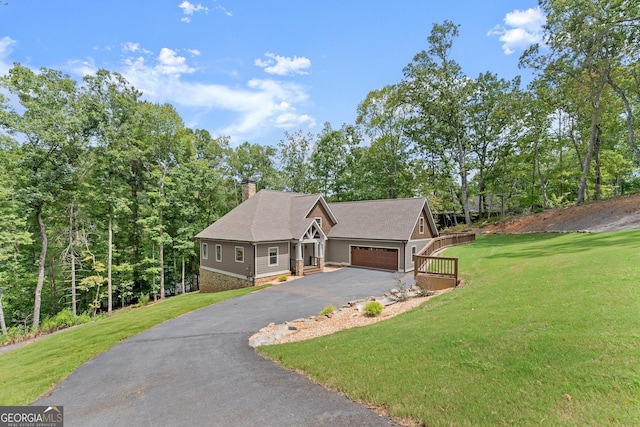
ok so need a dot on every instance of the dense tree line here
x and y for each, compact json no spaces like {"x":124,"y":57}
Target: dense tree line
{"x":102,"y":192}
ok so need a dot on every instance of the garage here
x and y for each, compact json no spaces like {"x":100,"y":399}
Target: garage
{"x":371,"y":257}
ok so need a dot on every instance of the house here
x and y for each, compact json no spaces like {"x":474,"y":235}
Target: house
{"x":272,"y":233}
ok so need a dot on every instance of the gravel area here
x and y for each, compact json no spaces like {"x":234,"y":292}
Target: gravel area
{"x":344,"y":318}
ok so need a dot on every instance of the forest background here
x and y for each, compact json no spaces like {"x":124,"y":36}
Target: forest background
{"x":101,"y":192}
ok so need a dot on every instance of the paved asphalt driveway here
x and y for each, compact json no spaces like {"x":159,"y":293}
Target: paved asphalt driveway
{"x":198,"y":370}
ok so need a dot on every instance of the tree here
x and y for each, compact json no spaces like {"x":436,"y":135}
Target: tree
{"x":111,"y":107}
{"x":51,"y":144}
{"x":163,"y":129}
{"x":384,"y":116}
{"x":13,"y":233}
{"x":328,"y":163}
{"x":493,"y":125}
{"x":438,"y":92}
{"x":295,"y":150}
{"x":252,"y":161}
{"x":587,"y":41}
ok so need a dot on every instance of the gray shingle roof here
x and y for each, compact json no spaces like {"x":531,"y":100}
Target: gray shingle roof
{"x":275,"y":216}
{"x":392,"y":219}
{"x":267,"y":216}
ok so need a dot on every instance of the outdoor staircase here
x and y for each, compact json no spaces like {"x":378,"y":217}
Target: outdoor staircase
{"x":310,"y":269}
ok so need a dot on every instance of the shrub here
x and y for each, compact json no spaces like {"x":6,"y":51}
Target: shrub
{"x":373,"y":308}
{"x":64,"y":319}
{"x":282,"y":278}
{"x":330,"y":309}
{"x":143,"y":299}
{"x":14,"y":334}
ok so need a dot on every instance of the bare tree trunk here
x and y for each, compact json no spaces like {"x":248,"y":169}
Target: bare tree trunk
{"x":575,"y":145}
{"x":593,"y":142}
{"x":73,"y":264}
{"x":41,"y":265}
{"x":184,"y":291}
{"x":3,"y":325}
{"x":52,"y":285}
{"x":463,"y":182}
{"x":598,"y":177}
{"x":631,"y":135}
{"x":109,"y":268}
{"x":161,"y":258}
{"x":543,"y":185}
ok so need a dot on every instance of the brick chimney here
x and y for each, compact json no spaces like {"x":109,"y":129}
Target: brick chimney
{"x":248,"y":188}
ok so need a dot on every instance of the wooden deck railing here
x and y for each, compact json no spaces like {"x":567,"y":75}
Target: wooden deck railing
{"x":439,"y":272}
{"x":438,"y":265}
{"x":445,"y":241}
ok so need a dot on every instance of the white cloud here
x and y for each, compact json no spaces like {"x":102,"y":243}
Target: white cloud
{"x":194,"y":52}
{"x":291,"y":120}
{"x":133,"y":47}
{"x":260,"y":105}
{"x":130,"y":47}
{"x":171,"y":63}
{"x":189,"y":9}
{"x":243,"y":112}
{"x":522,"y":29}
{"x":282,"y":65}
{"x":224,"y":10}
{"x":82,"y":67}
{"x":6,"y":47}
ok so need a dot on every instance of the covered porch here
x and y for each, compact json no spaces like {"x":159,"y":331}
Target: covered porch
{"x":308,"y":251}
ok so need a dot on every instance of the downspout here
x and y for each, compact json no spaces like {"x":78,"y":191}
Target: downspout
{"x":404,"y":255}
{"x":255,"y":263}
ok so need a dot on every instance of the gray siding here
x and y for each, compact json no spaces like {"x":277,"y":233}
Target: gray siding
{"x":419,"y":244}
{"x":263,"y":258}
{"x":228,"y":262}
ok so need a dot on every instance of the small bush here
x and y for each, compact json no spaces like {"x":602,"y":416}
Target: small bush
{"x":14,"y":335}
{"x":143,"y":299}
{"x":330,"y":309}
{"x":64,"y":319}
{"x":373,"y":308}
{"x":282,"y":278}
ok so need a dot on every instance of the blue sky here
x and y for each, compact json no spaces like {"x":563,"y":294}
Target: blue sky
{"x":254,"y":69}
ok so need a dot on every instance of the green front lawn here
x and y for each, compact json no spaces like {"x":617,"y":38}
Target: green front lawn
{"x":29,"y":371}
{"x":545,"y":332}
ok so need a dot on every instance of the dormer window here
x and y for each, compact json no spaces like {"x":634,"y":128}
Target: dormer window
{"x":421,"y":225}
{"x":318,"y":221}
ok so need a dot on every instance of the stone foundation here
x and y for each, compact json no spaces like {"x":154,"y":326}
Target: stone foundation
{"x":216,"y":282}
{"x":299,"y":267}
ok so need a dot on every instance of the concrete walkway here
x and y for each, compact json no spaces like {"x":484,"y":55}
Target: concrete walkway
{"x":198,"y":370}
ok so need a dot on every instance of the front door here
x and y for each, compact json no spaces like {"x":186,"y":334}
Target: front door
{"x":308,"y":254}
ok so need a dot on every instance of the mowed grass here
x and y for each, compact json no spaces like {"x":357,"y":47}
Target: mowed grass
{"x":545,"y":332}
{"x":28,"y":372}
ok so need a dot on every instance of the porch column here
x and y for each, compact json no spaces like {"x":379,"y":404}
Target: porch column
{"x":299,"y":260}
{"x":321,"y":255}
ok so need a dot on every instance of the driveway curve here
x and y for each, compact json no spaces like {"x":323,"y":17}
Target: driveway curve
{"x":198,"y":369}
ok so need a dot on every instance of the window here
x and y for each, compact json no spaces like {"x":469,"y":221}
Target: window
{"x":421,"y":225}
{"x":219,"y":253}
{"x":273,"y":256}
{"x":239,"y":254}
{"x":413,"y":254}
{"x":318,"y":221}
{"x":205,"y":251}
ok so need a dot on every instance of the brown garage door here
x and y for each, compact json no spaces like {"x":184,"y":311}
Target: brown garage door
{"x":381,"y":258}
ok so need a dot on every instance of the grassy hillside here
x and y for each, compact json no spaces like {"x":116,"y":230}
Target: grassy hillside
{"x":546,"y":331}
{"x":28,"y":372}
